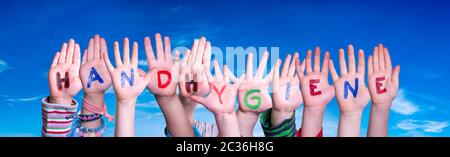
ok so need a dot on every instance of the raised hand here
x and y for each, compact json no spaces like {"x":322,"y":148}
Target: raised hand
{"x":222,"y":100}
{"x":253,"y":93}
{"x":383,"y":82}
{"x":94,"y":73}
{"x":63,"y":76}
{"x":351,"y":91}
{"x":164,"y":73}
{"x":163,"y":84}
{"x":194,"y":67}
{"x":316,"y":91}
{"x":128,"y":80}
{"x":286,"y":90}
{"x":383,"y":88}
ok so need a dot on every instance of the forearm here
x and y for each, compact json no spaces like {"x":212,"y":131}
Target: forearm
{"x":176,"y":119}
{"x":247,"y":121}
{"x":311,"y":121}
{"x":189,"y":107}
{"x":349,"y":124}
{"x":125,"y":118}
{"x":378,"y":123}
{"x":227,"y":123}
{"x":97,"y":99}
{"x":277,"y":116}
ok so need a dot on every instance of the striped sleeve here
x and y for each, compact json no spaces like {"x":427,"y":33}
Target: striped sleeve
{"x":285,"y":129}
{"x":57,"y":118}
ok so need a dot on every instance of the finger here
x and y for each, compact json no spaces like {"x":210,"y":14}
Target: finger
{"x":97,"y":46}
{"x":326,"y":61}
{"x":134,"y":54}
{"x":249,"y":68}
{"x":231,"y":75}
{"x":269,"y":76}
{"x":176,"y":59}
{"x":262,"y":65}
{"x":317,"y":59}
{"x":208,"y":74}
{"x":276,"y":76}
{"x":194,"y":50}
{"x":226,"y":75}
{"x":148,"y":50}
{"x":217,"y":71}
{"x":298,"y":68}
{"x":198,"y":99}
{"x":308,"y":62}
{"x":108,"y":62}
{"x":70,"y":51}
{"x":396,"y":75}
{"x":200,"y":51}
{"x":159,"y":47}
{"x":126,"y":51}
{"x":85,"y":57}
{"x":76,"y":55}
{"x":361,"y":62}
{"x":370,"y":65}
{"x":90,"y":55}
{"x":55,"y":59}
{"x":207,"y":54}
{"x":285,"y":69}
{"x":387,"y":58}
{"x":62,"y":56}
{"x":117,"y":54}
{"x":167,"y":49}
{"x":342,"y":63}
{"x":103,"y":47}
{"x":334,"y":74}
{"x":186,"y":56}
{"x":376,"y":66}
{"x":381,"y":57}
{"x":351,"y":60}
{"x":291,"y":71}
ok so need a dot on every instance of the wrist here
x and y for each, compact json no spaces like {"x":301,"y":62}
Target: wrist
{"x":278,"y":116}
{"x":247,"y":121}
{"x":311,"y":121}
{"x":227,"y":124}
{"x":60,"y":100}
{"x":381,"y":107}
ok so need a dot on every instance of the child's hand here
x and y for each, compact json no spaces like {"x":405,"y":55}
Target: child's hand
{"x":94,"y":73}
{"x":194,"y":68}
{"x":63,"y":76}
{"x":286,"y":90}
{"x":164,"y":73}
{"x":253,"y":93}
{"x":383,"y":88}
{"x":128,"y":81}
{"x":383,"y":82}
{"x":222,"y":100}
{"x":223,"y":97}
{"x":351,"y":91}
{"x":317,"y":92}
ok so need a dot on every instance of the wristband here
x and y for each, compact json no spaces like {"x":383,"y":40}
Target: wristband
{"x":98,"y":110}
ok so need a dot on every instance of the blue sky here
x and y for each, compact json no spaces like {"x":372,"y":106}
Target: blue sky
{"x":417,"y":33}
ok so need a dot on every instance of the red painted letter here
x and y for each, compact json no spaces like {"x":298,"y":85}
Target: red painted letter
{"x":169,"y":79}
{"x":219,"y":93}
{"x":63,"y":80}
{"x":312,"y":87}
{"x":378,"y":84}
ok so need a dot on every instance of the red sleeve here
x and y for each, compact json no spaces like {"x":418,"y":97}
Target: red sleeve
{"x":299,"y":133}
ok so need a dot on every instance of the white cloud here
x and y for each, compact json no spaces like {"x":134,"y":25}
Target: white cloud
{"x":422,"y":125}
{"x":23,"y":99}
{"x":404,"y":106}
{"x":3,"y":66}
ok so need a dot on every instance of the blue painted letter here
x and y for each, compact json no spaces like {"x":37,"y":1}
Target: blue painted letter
{"x":124,"y":77}
{"x":93,"y":76}
{"x":348,"y":87}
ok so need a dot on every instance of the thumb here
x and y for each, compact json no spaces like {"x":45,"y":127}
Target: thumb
{"x":396,"y":75}
{"x":198,"y":99}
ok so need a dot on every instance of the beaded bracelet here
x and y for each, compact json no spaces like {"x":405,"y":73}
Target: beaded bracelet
{"x":81,"y":130}
{"x":88,"y":117}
